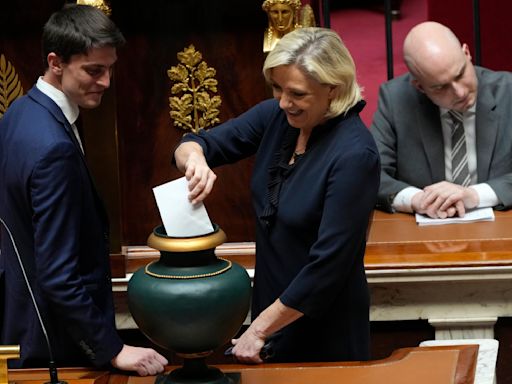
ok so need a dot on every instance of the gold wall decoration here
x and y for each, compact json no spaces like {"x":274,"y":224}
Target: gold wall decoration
{"x":307,"y":16}
{"x":285,"y":16}
{"x":193,"y":108}
{"x":10,"y":86}
{"x":101,"y":4}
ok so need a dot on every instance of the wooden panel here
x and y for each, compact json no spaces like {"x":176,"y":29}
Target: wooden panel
{"x":229,"y":36}
{"x":117,"y":265}
{"x":20,"y":36}
{"x":99,"y":137}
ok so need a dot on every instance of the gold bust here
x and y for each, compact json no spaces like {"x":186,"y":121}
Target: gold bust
{"x":283,"y":17}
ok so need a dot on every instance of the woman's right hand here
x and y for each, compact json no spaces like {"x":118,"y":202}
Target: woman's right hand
{"x":200,"y":177}
{"x":191,"y":161}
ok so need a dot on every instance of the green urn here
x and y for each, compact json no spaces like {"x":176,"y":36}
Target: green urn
{"x":190,"y":301}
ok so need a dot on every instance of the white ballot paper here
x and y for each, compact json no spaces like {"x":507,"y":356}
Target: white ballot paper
{"x":180,"y":217}
{"x":478,"y":214}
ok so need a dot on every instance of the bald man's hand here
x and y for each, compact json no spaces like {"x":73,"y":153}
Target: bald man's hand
{"x":445,"y":199}
{"x":419,"y":206}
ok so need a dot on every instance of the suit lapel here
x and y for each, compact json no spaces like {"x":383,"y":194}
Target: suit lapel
{"x":427,"y":116}
{"x":54,"y":109}
{"x":486,"y":128}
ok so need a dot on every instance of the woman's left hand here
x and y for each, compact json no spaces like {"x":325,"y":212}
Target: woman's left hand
{"x":247,"y":347}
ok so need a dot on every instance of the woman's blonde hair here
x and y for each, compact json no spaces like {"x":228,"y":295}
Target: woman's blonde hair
{"x":320,"y":54}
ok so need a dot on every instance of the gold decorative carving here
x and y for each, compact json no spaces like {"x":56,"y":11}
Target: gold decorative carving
{"x":10,"y":86}
{"x":285,"y":16}
{"x":7,"y":352}
{"x":101,"y":4}
{"x":307,"y":16}
{"x":193,"y":109}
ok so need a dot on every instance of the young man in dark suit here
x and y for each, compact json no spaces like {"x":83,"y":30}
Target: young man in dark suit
{"x":49,"y":203}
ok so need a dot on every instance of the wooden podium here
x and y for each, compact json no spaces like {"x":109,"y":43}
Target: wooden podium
{"x":420,"y":365}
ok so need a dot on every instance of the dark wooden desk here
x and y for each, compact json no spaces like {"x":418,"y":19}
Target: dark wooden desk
{"x":440,"y":365}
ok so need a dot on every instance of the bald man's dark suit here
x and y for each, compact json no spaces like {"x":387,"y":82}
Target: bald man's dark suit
{"x":407,"y":129}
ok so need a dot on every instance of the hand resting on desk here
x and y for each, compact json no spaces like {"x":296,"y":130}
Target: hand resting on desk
{"x":444,"y":199}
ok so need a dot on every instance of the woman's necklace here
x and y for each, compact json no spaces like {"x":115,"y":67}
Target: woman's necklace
{"x":296,"y":155}
{"x":300,"y":147}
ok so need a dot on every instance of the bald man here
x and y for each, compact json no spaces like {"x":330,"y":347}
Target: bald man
{"x":412,"y":128}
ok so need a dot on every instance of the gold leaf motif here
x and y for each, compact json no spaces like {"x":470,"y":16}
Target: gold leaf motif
{"x":100,"y":4}
{"x":178,"y":88}
{"x":210,"y":84}
{"x":189,"y":56}
{"x":181,"y":108}
{"x":178,"y":73}
{"x":193,"y":108}
{"x":10,"y":86}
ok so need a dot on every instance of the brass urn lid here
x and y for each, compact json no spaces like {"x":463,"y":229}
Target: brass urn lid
{"x":162,"y":242}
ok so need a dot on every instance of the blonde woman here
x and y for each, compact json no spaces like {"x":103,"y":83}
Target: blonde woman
{"x":314,"y":185}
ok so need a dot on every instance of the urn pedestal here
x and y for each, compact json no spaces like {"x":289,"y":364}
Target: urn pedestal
{"x":190,"y":301}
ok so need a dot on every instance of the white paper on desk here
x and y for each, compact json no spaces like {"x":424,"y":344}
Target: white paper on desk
{"x":478,"y":214}
{"x":180,"y":217}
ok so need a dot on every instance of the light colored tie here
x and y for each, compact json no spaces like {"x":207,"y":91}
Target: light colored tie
{"x":460,"y":170}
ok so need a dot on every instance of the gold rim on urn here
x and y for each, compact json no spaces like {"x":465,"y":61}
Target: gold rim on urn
{"x":187,"y":244}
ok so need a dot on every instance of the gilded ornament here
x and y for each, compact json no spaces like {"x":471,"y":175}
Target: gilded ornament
{"x":193,"y":108}
{"x":10,"y":86}
{"x":285,"y":16}
{"x":101,"y":4}
{"x":7,"y":352}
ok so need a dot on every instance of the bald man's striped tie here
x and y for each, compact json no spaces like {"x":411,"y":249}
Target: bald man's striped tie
{"x":460,"y":170}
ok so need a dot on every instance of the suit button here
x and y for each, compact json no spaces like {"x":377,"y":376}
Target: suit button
{"x":105,"y":235}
